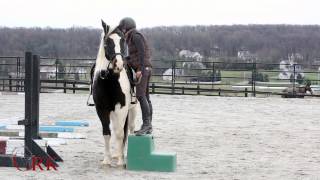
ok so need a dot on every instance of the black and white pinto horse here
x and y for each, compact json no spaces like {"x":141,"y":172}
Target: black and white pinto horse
{"x":111,"y":95}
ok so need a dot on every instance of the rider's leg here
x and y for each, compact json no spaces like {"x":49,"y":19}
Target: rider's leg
{"x":143,"y":98}
{"x":150,"y":104}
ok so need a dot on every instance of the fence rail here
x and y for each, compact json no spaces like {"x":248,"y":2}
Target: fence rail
{"x":184,"y":77}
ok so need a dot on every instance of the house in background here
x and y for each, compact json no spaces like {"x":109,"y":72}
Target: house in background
{"x":167,"y":75}
{"x":245,"y":55}
{"x":216,"y":51}
{"x":190,"y":55}
{"x":195,"y":63}
{"x":295,"y":57}
{"x":47,"y":72}
{"x":289,"y":67}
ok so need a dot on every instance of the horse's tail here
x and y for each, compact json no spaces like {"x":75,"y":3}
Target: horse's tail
{"x":125,"y":129}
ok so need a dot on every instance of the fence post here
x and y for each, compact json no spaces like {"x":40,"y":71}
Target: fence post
{"x":153,"y":90}
{"x":182,"y":89}
{"x":294,"y":81}
{"x":74,"y":87}
{"x":245,"y":92}
{"x":64,"y":87}
{"x":19,"y":74}
{"x":17,"y":67}
{"x":253,"y":78}
{"x":32,"y":82}
{"x":22,"y":84}
{"x":28,"y":84}
{"x":198,"y":89}
{"x":214,"y":74}
{"x":35,"y":96}
{"x":16,"y":84}
{"x":10,"y":83}
{"x":173,"y":74}
{"x":56,"y":63}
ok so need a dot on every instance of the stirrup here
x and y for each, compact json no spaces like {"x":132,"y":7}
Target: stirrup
{"x":134,"y":99}
{"x":88,"y":103}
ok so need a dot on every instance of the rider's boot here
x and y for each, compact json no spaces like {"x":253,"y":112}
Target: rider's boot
{"x":146,"y":127}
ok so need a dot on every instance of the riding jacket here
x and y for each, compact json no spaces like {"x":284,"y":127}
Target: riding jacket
{"x":139,"y":52}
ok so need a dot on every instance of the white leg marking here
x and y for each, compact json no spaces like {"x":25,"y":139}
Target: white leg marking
{"x":118,"y":118}
{"x":107,"y":157}
{"x":132,"y":118}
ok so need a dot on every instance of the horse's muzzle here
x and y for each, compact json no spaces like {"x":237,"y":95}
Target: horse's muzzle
{"x":117,"y":70}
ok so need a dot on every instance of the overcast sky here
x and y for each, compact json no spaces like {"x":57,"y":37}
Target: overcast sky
{"x":150,"y":13}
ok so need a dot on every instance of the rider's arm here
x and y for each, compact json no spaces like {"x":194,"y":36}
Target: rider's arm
{"x":139,"y":43}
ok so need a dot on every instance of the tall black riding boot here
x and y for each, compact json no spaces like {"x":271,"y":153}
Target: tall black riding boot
{"x":150,"y":105}
{"x":146,"y":127}
{"x":151,"y":111}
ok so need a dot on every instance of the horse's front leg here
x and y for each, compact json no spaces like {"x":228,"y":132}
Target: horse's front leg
{"x":106,"y":159}
{"x":105,"y":121}
{"x":118,"y":119}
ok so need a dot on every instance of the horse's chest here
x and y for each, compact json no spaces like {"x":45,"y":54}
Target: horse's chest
{"x":107,"y":93}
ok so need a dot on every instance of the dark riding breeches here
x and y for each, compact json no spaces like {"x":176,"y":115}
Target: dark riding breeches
{"x":143,"y":95}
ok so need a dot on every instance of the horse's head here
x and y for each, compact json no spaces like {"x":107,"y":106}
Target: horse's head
{"x":114,"y":48}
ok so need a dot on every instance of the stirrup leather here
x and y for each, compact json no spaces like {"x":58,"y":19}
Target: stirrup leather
{"x":133,"y":96}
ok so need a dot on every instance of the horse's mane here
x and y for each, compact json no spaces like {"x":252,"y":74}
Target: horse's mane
{"x":101,"y":58}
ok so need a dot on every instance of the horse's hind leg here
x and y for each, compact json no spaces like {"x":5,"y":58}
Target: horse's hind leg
{"x":131,"y":120}
{"x":105,"y":121}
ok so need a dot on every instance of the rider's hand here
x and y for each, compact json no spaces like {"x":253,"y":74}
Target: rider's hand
{"x":138,"y":74}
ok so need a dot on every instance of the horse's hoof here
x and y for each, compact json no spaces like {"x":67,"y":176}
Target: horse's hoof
{"x":118,"y":166}
{"x":106,"y":161}
{"x":117,"y":163}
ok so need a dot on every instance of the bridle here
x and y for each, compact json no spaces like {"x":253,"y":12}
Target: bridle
{"x":112,"y":57}
{"x":108,"y":67}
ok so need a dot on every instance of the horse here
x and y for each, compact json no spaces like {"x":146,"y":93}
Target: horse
{"x":111,"y":95}
{"x":296,"y":92}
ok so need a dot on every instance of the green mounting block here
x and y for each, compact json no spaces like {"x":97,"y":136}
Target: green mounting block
{"x":141,"y":156}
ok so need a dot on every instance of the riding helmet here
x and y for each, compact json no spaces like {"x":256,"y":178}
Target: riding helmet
{"x":127,"y":23}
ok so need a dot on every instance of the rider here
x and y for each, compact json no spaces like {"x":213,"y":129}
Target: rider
{"x":140,"y":61}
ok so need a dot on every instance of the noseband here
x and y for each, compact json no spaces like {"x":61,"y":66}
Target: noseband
{"x":104,"y":74}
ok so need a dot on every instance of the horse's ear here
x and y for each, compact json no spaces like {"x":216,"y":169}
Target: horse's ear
{"x":105,"y":27}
